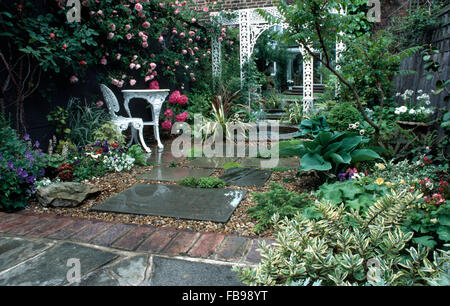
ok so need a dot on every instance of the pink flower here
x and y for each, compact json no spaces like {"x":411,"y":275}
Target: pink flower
{"x":193,"y":20}
{"x":144,"y":44}
{"x":132,"y":65}
{"x":168,"y":113}
{"x":110,"y":35}
{"x":146,"y":25}
{"x":118,"y":56}
{"x":176,"y":63}
{"x":128,"y":36}
{"x":177,"y":11}
{"x":103,"y":61}
{"x":127,"y":27}
{"x":73,"y":79}
{"x":183,"y":99}
{"x":205,"y":9}
{"x":184,"y":51}
{"x":154,"y":84}
{"x":182,"y":35}
{"x":174,"y":97}
{"x":166,"y":125}
{"x":113,"y":26}
{"x":191,"y":33}
{"x":132,"y":82}
{"x":182,"y":117}
{"x":99,"y":103}
{"x":160,"y":39}
{"x":147,"y":78}
{"x":152,"y":65}
{"x":138,"y":7}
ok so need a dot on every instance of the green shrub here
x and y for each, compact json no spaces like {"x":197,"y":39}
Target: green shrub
{"x":136,"y":152}
{"x":371,"y":250}
{"x":109,"y":132}
{"x":342,"y":115}
{"x":203,"y":182}
{"x":354,"y":194}
{"x":21,"y":164}
{"x":276,"y":200}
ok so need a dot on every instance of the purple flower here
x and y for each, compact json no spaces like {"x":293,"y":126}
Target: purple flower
{"x":11,"y":165}
{"x":36,"y":144}
{"x":26,"y":137}
{"x":1,"y":156}
{"x":31,"y":179}
{"x":105,"y":149}
{"x":29,"y":156}
{"x":42,"y":172}
{"x":97,"y":143}
{"x":342,"y":176}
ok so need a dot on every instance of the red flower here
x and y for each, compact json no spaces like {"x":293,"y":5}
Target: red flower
{"x":83,"y":63}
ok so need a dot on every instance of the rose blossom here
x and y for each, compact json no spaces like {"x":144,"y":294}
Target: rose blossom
{"x":128,"y":36}
{"x":168,"y":113}
{"x":138,"y":7}
{"x":174,"y":97}
{"x":132,"y":82}
{"x":154,"y":84}
{"x":166,"y":125}
{"x":152,"y":65}
{"x":181,"y":117}
{"x":73,"y":79}
{"x":146,"y":25}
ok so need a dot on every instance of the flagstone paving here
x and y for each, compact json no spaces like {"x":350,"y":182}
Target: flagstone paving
{"x":174,"y":174}
{"x":215,"y":205}
{"x":246,"y":177}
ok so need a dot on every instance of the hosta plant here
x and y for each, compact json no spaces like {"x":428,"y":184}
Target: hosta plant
{"x":345,"y":248}
{"x":331,"y":151}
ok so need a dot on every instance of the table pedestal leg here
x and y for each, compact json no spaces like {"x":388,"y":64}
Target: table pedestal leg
{"x":140,"y":129}
{"x":155,"y":115}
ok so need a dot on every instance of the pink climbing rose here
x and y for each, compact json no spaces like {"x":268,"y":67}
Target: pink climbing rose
{"x":154,"y":85}
{"x":182,"y":99}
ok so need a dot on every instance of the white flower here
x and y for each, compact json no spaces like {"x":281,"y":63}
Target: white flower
{"x":403,"y":109}
{"x":412,"y":111}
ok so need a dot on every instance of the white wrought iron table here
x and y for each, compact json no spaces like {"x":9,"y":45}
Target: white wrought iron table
{"x":156,"y":98}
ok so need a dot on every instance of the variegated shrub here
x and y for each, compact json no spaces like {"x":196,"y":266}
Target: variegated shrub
{"x":345,"y":248}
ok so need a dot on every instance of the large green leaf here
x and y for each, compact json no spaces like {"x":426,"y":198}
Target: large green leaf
{"x":314,"y":162}
{"x":444,"y":233}
{"x":427,"y":241}
{"x":350,"y":143}
{"x":363,"y":155}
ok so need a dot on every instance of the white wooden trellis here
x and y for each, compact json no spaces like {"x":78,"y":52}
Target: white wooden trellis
{"x":251,"y":26}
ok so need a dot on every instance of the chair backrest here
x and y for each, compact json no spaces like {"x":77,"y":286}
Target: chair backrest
{"x":111,"y":100}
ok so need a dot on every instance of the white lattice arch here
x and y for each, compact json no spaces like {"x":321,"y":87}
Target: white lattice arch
{"x":251,"y":26}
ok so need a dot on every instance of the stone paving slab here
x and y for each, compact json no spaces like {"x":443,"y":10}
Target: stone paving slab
{"x":50,"y":268}
{"x":284,"y":162}
{"x":246,"y":177}
{"x":15,"y":250}
{"x":211,"y":162}
{"x":162,"y":158}
{"x":174,"y":174}
{"x":175,"y":272}
{"x":215,"y":205}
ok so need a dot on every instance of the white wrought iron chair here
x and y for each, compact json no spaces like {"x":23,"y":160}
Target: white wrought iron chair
{"x":121,"y":122}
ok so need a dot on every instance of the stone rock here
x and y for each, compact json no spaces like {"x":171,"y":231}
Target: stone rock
{"x":65,"y":194}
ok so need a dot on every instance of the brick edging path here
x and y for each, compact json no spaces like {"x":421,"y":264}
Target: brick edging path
{"x":131,"y":237}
